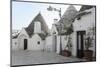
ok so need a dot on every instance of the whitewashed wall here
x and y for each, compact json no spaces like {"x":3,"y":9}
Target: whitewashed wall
{"x":74,"y":45}
{"x":64,"y":41}
{"x":58,"y":44}
{"x":23,"y":35}
{"x":14,"y":44}
{"x":53,"y":44}
{"x":85,"y":23}
{"x":49,"y":44}
{"x":33,"y":43}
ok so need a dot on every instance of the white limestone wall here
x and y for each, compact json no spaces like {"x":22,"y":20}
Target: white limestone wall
{"x":37,"y":27}
{"x":53,"y":44}
{"x":74,"y":45}
{"x":84,"y":24}
{"x":23,"y":35}
{"x":58,"y":44}
{"x":21,"y":41}
{"x":64,"y":41}
{"x":33,"y":43}
{"x":14,"y":44}
{"x":49,"y":44}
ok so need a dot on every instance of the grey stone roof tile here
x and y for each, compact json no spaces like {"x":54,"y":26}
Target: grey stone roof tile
{"x":30,"y":28}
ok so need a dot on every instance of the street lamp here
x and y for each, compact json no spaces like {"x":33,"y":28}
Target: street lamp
{"x":60,"y":27}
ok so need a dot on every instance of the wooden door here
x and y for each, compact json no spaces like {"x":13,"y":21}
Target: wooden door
{"x":80,"y":44}
{"x":25,"y":44}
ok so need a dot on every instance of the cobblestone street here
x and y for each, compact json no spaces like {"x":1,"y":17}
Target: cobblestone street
{"x":38,"y":57}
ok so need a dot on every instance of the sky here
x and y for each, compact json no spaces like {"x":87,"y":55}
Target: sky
{"x":24,"y":12}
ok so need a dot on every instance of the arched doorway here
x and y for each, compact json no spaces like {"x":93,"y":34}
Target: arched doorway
{"x":80,"y":43}
{"x":25,"y":44}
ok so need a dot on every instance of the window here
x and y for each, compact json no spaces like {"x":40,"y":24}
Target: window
{"x":15,"y":43}
{"x":38,"y":42}
{"x":78,"y":18}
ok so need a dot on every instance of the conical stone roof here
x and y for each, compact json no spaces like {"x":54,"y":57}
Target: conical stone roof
{"x":44,"y":27}
{"x":85,"y":7}
{"x":69,"y":15}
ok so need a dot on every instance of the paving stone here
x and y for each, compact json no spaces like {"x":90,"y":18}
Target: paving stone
{"x":39,"y":57}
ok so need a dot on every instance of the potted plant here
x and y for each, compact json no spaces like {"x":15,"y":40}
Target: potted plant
{"x":67,"y":51}
{"x":88,"y":54}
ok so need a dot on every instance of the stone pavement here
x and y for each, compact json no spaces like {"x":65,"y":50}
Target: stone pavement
{"x":39,"y":57}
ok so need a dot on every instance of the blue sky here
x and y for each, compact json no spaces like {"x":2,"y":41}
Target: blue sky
{"x":23,"y":13}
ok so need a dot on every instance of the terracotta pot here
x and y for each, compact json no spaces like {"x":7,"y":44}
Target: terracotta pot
{"x":66,"y":53}
{"x":88,"y":55}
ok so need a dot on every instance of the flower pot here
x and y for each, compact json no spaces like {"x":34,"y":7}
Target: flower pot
{"x":66,"y":53}
{"x":88,"y":55}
